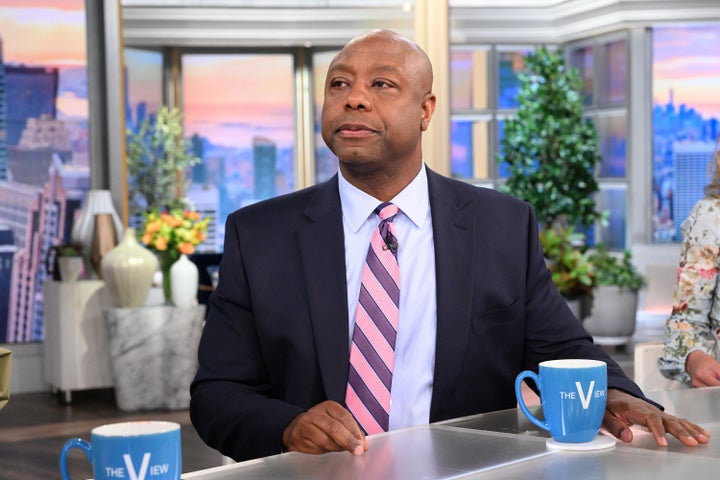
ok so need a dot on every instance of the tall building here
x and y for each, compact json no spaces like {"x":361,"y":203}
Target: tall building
{"x":692,"y":164}
{"x":206,"y":199}
{"x":264,"y":159}
{"x":39,"y":218}
{"x":31,"y":93}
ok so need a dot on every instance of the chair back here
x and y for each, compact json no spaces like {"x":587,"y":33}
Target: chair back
{"x":5,"y":373}
{"x":647,"y":374}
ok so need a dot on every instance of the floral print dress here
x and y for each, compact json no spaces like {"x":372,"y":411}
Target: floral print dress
{"x":694,"y":322}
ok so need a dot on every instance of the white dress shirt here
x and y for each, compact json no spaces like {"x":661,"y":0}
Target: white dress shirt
{"x":412,"y":382}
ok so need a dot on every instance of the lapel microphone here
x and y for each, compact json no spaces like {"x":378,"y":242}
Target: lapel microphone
{"x":391,"y":243}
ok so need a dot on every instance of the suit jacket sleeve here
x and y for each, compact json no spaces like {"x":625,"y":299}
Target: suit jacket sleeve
{"x":231,"y":405}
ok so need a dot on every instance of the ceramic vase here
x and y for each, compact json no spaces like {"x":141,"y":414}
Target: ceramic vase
{"x":96,"y":201}
{"x":128,"y":271}
{"x":70,"y":268}
{"x":184,"y":277}
{"x":104,"y":239}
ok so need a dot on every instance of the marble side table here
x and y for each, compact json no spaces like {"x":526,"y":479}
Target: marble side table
{"x":153,"y":355}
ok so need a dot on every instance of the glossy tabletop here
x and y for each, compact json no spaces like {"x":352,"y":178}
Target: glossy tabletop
{"x":501,"y":445}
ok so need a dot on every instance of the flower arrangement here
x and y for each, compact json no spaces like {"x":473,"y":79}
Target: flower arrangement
{"x":171,"y":233}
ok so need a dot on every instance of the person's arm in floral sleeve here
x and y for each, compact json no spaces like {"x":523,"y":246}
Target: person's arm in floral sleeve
{"x":693,"y":325}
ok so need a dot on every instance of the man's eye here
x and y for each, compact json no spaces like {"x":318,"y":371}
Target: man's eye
{"x":337,"y":83}
{"x":381,"y":83}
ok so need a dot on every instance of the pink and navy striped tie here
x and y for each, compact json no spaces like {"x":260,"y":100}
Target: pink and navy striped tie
{"x":372,"y":353}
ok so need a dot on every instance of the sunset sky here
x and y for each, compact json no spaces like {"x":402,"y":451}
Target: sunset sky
{"x":43,"y":32}
{"x":686,"y":61}
{"x":46,"y":33}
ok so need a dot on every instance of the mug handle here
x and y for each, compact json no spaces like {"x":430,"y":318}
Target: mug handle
{"x":70,"y":444}
{"x":521,"y":402}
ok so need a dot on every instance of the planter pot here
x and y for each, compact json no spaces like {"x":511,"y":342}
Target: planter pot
{"x":70,"y":268}
{"x":579,"y":305}
{"x":153,"y":355}
{"x":613,"y":317}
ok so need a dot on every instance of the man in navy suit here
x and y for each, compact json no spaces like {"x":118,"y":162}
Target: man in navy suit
{"x":477,"y":304}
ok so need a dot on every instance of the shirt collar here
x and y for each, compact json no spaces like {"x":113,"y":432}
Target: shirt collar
{"x":357,"y":206}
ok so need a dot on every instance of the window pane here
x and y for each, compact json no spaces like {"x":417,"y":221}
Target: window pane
{"x":613,"y":199}
{"x":326,"y":163}
{"x":686,"y":111}
{"x":581,"y":58}
{"x":469,"y":149}
{"x":612,"y":134}
{"x":510,"y":65}
{"x":468,"y":79}
{"x":502,"y":166}
{"x":239,"y":113}
{"x":144,"y":85}
{"x":612,"y":81}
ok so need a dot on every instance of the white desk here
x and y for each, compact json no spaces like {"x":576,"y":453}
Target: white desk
{"x":501,"y":445}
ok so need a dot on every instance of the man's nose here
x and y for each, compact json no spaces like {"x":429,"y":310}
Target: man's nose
{"x":357,"y":98}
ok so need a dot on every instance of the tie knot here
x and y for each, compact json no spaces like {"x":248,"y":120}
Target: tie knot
{"x":386,"y":211}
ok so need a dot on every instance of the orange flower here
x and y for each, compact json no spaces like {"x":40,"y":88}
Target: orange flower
{"x":174,"y":232}
{"x":186,"y":248}
{"x":161,"y":243}
{"x":153,"y":227}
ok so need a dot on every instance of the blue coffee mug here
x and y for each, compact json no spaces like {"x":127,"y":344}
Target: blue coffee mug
{"x":138,"y":450}
{"x":573,"y":394}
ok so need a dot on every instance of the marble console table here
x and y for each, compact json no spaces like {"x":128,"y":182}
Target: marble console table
{"x":153,"y":354}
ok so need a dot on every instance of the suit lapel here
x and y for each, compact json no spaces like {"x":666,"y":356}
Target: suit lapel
{"x":454,"y":237}
{"x":322,"y":249}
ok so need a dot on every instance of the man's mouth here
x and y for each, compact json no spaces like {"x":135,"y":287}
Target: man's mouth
{"x":354,"y":130}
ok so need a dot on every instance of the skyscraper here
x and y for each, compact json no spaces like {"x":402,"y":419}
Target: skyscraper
{"x":692,"y":163}
{"x":264,"y":158}
{"x":31,"y":93}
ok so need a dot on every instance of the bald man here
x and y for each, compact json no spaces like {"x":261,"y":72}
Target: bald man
{"x":476,"y":302}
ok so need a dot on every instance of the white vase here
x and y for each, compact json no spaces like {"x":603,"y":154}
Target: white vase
{"x":96,"y":201}
{"x":128,"y":271}
{"x":184,"y":277}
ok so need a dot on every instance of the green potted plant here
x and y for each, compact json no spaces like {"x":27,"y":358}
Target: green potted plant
{"x":551,"y":152}
{"x":70,"y":262}
{"x":617,"y":284}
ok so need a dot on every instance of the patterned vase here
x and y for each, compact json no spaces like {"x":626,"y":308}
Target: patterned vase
{"x":128,"y":271}
{"x":184,"y":277}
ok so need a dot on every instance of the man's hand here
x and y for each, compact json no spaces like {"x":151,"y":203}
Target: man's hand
{"x":703,"y":369}
{"x":623,"y":410}
{"x":326,"y":427}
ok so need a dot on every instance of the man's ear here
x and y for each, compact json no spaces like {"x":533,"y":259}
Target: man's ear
{"x":428,"y":108}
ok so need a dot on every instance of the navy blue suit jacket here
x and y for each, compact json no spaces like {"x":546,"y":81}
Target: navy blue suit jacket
{"x":276,"y":338}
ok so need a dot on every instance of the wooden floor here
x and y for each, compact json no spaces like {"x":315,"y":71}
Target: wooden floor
{"x":34,"y":427}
